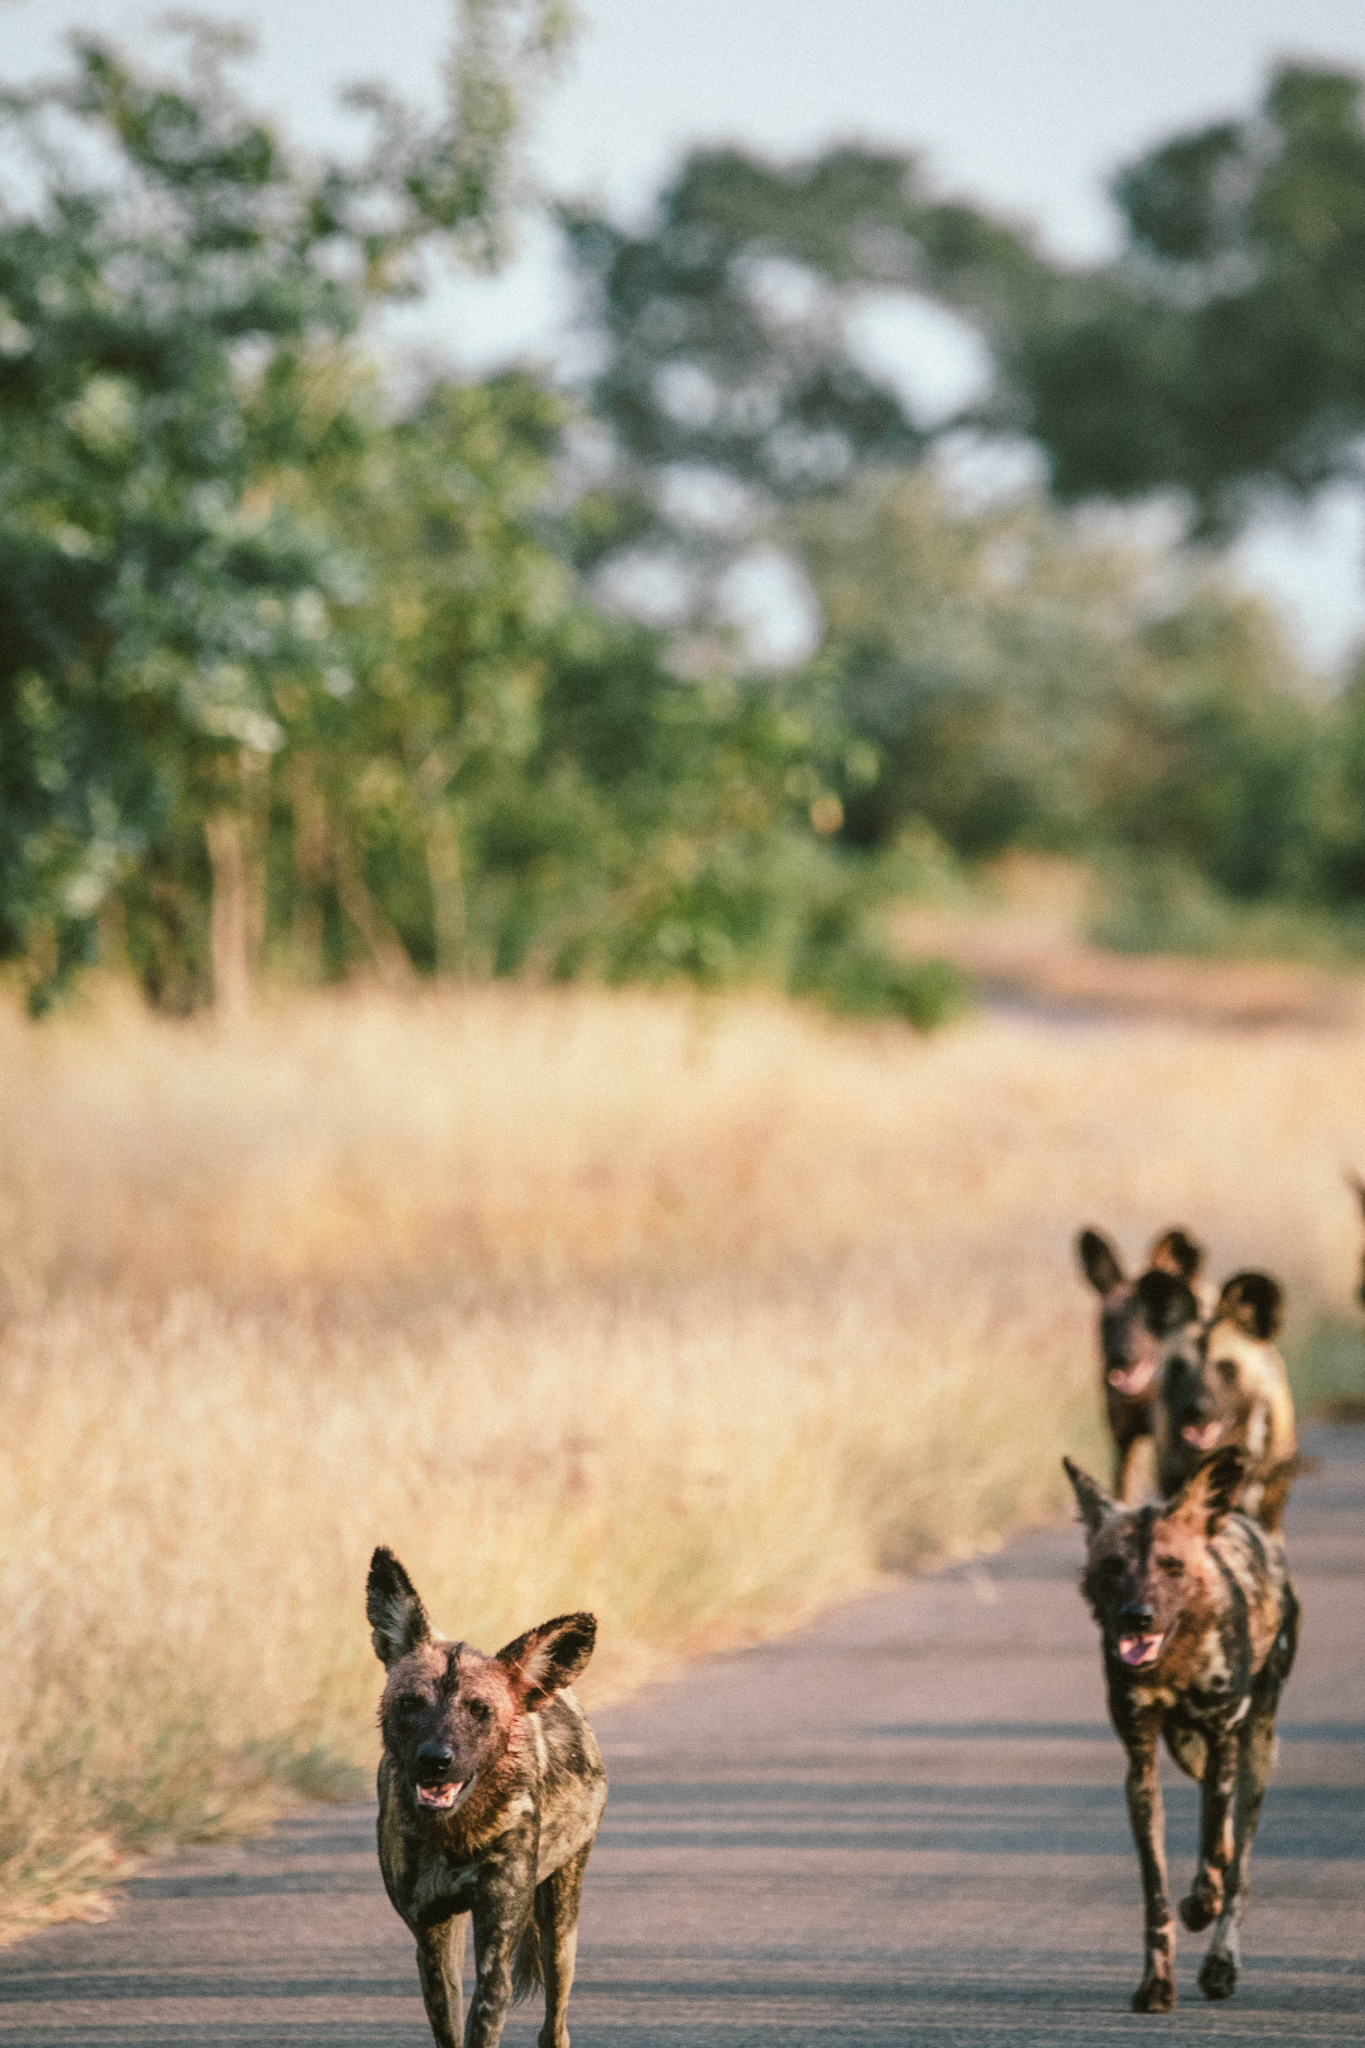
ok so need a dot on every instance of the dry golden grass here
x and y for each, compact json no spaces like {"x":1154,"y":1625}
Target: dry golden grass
{"x":700,"y":1316}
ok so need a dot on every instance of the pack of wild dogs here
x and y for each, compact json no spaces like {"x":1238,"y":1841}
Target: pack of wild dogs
{"x":491,"y":1785}
{"x":1191,"y":1591}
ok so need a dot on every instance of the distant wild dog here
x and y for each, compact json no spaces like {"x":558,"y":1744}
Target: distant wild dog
{"x":1223,"y":1383}
{"x":1357,"y":1187}
{"x":490,"y":1792}
{"x":1198,"y":1622}
{"x":1130,"y":1353}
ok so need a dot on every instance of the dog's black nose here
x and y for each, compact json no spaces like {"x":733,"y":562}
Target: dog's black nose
{"x":436,"y":1754}
{"x":1137,"y":1620}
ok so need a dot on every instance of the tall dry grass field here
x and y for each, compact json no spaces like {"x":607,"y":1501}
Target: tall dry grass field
{"x":699,"y":1316}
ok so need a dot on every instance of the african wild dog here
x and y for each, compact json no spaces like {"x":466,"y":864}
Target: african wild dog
{"x":1198,"y":1622}
{"x":490,"y":1791}
{"x":1223,"y":1382}
{"x":1130,"y":1352}
{"x":1357,"y":1187}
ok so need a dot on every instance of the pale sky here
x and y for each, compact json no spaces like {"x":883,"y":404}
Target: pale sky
{"x":1027,"y":105}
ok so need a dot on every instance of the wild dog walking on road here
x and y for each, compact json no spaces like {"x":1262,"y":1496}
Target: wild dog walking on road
{"x":491,"y":1788}
{"x":1130,"y":1354}
{"x":1223,"y":1383}
{"x":1198,"y":1622}
{"x":1357,"y":1187}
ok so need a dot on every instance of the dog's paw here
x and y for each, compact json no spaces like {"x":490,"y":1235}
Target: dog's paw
{"x":1218,"y":1975}
{"x":1155,"y":1994}
{"x":1201,"y":1908}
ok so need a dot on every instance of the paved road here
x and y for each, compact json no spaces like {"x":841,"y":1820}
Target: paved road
{"x":903,"y":1825}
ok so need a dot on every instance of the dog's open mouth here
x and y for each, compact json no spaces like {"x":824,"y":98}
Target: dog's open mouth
{"x":1132,"y":1379}
{"x":1137,"y":1651}
{"x":1203,"y":1435}
{"x":439,"y":1798}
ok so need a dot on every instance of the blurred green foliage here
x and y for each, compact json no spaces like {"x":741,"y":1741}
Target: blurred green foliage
{"x":293,"y":678}
{"x":1016,"y":680}
{"x":1022,"y":687}
{"x":288,"y":679}
{"x":168,"y":619}
{"x":1224,"y":352}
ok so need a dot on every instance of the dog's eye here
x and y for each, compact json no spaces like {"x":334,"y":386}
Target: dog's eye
{"x":477,"y":1709}
{"x":411,"y":1703}
{"x":1227,"y":1371}
{"x":1111,"y":1566}
{"x":1172,"y":1566}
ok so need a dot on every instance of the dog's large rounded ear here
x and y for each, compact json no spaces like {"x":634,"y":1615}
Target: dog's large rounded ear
{"x":1175,"y":1251}
{"x":1209,"y":1497}
{"x":1165,"y":1302}
{"x":1097,"y":1507}
{"x":1255,"y":1302}
{"x":548,"y":1657}
{"x":398,"y":1620}
{"x":1100,"y":1263}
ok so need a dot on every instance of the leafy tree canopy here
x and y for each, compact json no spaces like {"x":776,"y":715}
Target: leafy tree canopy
{"x":726,"y":380}
{"x":1223,"y":355}
{"x":163,"y":260}
{"x":1020,"y":686}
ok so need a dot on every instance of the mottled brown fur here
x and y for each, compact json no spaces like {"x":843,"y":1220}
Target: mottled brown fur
{"x":491,"y":1788}
{"x":1131,"y":1351}
{"x":1198,"y":1622}
{"x":1223,"y":1385}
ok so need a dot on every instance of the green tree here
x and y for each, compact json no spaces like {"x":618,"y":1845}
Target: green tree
{"x":448,"y":628}
{"x":979,"y":655}
{"x":1338,"y":816}
{"x":1223,"y":354}
{"x":679,"y":810}
{"x":1214,"y":752}
{"x":161,"y":256}
{"x":1023,"y":687}
{"x":728,"y":384}
{"x":505,"y":781}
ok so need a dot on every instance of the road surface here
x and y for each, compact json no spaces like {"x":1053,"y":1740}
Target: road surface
{"x":903,"y":1825}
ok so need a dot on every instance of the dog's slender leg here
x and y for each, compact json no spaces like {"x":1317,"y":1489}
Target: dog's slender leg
{"x":440,"y":1966}
{"x":1217,"y":1791}
{"x":498,"y":1927}
{"x":1255,"y":1753}
{"x":1156,"y":1993}
{"x":1255,"y":1759}
{"x":1125,"y":1465}
{"x":557,"y":1922}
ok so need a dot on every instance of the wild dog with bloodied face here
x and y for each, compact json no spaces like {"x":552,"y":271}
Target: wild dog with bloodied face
{"x":1223,"y":1383}
{"x":491,"y":1788}
{"x":1199,"y":1623}
{"x":1130,"y":1353}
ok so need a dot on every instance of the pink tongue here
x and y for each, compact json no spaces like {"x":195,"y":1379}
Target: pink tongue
{"x":1139,"y":1649}
{"x":1203,"y":1439}
{"x":438,"y":1795}
{"x":1131,"y":1379}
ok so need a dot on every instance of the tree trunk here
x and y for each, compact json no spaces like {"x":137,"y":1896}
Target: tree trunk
{"x":445,"y":873}
{"x":254,"y":769}
{"x":310,"y":868}
{"x":391,"y":959}
{"x":229,"y":916}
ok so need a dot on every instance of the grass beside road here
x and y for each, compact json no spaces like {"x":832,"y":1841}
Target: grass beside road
{"x":700,"y":1316}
